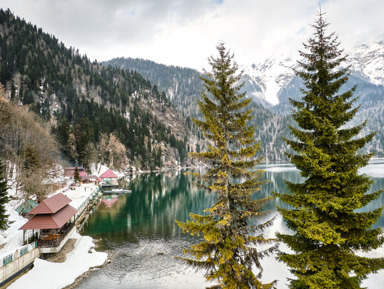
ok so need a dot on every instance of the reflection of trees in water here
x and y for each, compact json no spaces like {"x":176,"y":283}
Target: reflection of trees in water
{"x":150,"y":211}
{"x":158,"y":200}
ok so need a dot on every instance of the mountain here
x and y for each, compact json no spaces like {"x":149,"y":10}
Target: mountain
{"x":367,"y":62}
{"x":183,"y":88}
{"x":181,"y":85}
{"x":148,"y":107}
{"x":275,"y":82}
{"x":271,"y":84}
{"x":96,"y":113}
{"x":273,"y":78}
{"x":269,"y":77}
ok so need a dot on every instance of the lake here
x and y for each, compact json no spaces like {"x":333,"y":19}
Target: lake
{"x":139,"y":230}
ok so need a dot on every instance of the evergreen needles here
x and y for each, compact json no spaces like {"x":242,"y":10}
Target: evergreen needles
{"x":328,"y":228}
{"x":228,"y":251}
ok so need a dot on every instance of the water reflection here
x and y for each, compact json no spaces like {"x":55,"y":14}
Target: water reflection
{"x":150,"y":211}
{"x":140,"y":230}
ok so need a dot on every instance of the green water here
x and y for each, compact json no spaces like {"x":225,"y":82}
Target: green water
{"x":139,"y":229}
{"x":149,"y":211}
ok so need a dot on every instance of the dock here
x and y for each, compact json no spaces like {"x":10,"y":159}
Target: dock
{"x":116,"y":191}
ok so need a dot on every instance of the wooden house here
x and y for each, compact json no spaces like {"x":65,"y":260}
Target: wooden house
{"x":109,"y":178}
{"x":53,"y":222}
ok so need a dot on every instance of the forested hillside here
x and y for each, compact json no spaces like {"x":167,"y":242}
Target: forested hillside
{"x":183,"y":88}
{"x":181,"y":85}
{"x":97,"y":113}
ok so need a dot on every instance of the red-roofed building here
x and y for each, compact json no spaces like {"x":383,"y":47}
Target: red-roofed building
{"x":53,"y":220}
{"x":51,"y":205}
{"x":109,"y":179}
{"x":108,"y":174}
{"x":70,"y":171}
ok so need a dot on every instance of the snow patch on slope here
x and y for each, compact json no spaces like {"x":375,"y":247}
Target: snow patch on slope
{"x":271,"y":76}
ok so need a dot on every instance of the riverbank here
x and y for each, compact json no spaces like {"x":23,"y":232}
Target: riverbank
{"x":149,"y":263}
{"x":53,"y":275}
{"x":46,"y":274}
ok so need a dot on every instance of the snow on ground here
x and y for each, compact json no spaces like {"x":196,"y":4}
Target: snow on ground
{"x":12,"y":237}
{"x":79,"y":194}
{"x":373,"y":170}
{"x":374,"y":281}
{"x":59,"y":275}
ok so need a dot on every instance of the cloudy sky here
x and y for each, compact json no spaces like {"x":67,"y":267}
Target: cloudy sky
{"x":185,"y":32}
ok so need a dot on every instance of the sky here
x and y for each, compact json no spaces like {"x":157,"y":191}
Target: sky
{"x":185,"y":32}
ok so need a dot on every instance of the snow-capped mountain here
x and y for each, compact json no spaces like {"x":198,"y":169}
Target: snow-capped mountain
{"x":272,"y":79}
{"x":367,"y":62}
{"x":271,"y":76}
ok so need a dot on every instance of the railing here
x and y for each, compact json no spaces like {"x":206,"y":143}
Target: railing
{"x":18,"y":253}
{"x":82,"y":207}
{"x":54,"y":240}
{"x":7,"y":259}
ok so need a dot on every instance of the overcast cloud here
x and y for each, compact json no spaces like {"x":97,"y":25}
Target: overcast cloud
{"x":185,"y":32}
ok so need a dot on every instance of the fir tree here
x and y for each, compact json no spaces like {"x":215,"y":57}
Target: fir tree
{"x":328,"y":227}
{"x":228,"y":251}
{"x":3,"y":197}
{"x":76,"y":175}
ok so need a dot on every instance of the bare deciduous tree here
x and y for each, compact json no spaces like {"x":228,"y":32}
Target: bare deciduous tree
{"x":30,"y":149}
{"x":117,"y":153}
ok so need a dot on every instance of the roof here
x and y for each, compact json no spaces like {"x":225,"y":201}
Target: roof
{"x":71,"y":173}
{"x":53,"y":221}
{"x":109,"y":174}
{"x":51,"y":205}
{"x":73,"y":168}
{"x":26,"y":206}
{"x":89,"y":177}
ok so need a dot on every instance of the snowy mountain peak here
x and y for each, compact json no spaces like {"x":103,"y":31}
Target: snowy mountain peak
{"x":272,"y":75}
{"x":275,"y":73}
{"x":367,"y":62}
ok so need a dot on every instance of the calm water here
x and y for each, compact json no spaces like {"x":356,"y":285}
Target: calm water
{"x":140,"y":232}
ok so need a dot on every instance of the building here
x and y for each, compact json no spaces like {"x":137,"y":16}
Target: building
{"x":70,"y":171}
{"x":52,"y":222}
{"x":109,"y":179}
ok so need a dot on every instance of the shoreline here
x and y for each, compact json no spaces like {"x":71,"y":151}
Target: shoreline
{"x":87,"y":273}
{"x":81,"y":193}
{"x":80,"y":261}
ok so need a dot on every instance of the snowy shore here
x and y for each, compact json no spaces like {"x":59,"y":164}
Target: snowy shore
{"x":55,"y":275}
{"x":50,"y":275}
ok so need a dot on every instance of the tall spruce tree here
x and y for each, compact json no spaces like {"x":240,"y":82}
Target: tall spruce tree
{"x":328,"y":227}
{"x":3,"y":197}
{"x":228,"y":251}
